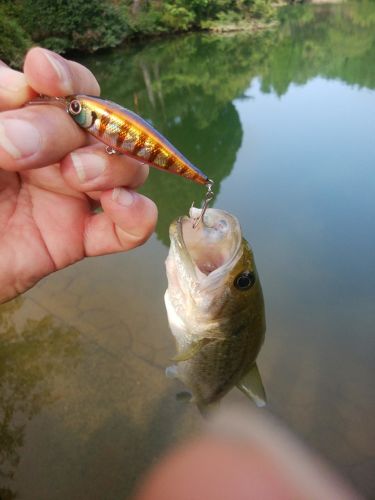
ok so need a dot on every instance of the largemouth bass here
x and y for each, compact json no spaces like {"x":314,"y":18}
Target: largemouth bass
{"x":215,"y":308}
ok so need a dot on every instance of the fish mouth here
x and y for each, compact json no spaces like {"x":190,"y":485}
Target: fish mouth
{"x":210,"y":250}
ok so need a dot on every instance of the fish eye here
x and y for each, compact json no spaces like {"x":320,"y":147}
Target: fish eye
{"x":244,"y":280}
{"x":75,"y":107}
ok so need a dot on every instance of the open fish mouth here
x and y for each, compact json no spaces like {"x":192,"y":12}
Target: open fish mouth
{"x":211,"y":249}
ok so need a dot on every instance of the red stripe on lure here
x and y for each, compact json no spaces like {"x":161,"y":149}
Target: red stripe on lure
{"x":125,"y":132}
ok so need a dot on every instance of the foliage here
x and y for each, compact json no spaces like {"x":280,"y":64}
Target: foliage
{"x":261,"y":9}
{"x":149,"y":23}
{"x":73,"y":24}
{"x":14,"y":41}
{"x":177,"y":17}
{"x":88,"y":26}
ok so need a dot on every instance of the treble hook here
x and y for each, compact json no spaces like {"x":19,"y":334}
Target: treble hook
{"x":206,"y":201}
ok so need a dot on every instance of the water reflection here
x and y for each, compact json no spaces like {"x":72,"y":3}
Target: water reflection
{"x":32,"y":353}
{"x":185,"y":86}
{"x":334,"y":41}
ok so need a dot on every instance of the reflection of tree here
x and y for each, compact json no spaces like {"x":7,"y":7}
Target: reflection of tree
{"x":178,"y":74}
{"x":334,"y":41}
{"x":7,"y":494}
{"x":31,"y":354}
{"x":185,"y":86}
{"x":215,"y":153}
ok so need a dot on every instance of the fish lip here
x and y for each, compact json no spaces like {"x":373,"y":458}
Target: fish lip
{"x":211,"y":280}
{"x":176,"y":236}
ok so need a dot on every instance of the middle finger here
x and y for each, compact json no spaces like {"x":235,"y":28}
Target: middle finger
{"x":92,"y":169}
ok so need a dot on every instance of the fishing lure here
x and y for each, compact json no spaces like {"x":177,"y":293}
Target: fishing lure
{"x":124,"y":132}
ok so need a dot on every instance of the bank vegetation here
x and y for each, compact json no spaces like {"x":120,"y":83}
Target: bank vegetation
{"x":66,"y":25}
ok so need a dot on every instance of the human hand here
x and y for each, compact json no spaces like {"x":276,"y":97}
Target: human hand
{"x":244,"y":453}
{"x":52,"y":174}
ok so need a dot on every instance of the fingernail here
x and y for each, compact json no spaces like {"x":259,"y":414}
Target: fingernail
{"x":18,"y":138}
{"x":123,"y":196}
{"x":61,"y":71}
{"x":88,"y":166}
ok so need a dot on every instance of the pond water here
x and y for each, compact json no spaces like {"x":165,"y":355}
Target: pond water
{"x":284,"y":123}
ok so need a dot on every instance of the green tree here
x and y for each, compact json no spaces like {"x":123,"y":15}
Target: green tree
{"x":14,"y":41}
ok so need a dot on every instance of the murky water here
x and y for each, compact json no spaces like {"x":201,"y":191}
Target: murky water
{"x":284,"y":123}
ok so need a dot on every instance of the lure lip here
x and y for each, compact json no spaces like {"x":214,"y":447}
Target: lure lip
{"x":50,"y":100}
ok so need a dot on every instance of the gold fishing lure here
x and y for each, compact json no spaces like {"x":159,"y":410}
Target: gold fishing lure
{"x":127,"y":133}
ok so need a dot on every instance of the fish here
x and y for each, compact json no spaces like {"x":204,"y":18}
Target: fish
{"x":215,"y":308}
{"x":125,"y":132}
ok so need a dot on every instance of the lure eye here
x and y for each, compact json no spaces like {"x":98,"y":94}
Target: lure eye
{"x":244,"y":280}
{"x":75,"y":107}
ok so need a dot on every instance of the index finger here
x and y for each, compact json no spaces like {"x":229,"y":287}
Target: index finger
{"x":50,"y":74}
{"x":36,"y":136}
{"x":44,"y":73}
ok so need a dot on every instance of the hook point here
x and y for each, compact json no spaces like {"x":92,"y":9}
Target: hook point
{"x":206,"y":201}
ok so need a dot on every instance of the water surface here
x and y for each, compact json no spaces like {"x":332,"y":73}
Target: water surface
{"x":284,"y":124}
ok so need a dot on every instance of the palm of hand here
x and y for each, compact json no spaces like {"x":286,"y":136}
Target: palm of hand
{"x":42,"y":223}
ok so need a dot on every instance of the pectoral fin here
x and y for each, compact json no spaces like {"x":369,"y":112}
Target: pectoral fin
{"x":191,"y":350}
{"x":251,"y":384}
